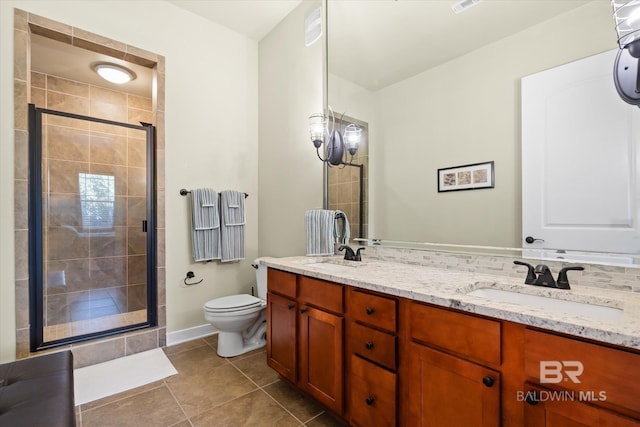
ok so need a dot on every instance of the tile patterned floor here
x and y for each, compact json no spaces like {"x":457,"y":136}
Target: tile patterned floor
{"x":208,"y":391}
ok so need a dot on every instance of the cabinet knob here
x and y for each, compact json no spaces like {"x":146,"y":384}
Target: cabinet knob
{"x":369,"y":400}
{"x":531,"y":399}
{"x":370,"y":310}
{"x":488,"y":381}
{"x":290,"y":306}
{"x":368,"y":345}
{"x":303,"y":310}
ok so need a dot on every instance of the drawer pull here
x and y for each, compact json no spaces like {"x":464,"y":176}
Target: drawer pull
{"x":370,"y":310}
{"x":531,"y":400}
{"x":369,"y":400}
{"x":303,"y":310}
{"x":369,"y":345}
{"x":488,"y":381}
{"x":290,"y":306}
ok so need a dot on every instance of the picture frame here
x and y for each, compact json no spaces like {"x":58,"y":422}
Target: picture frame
{"x":474,"y":176}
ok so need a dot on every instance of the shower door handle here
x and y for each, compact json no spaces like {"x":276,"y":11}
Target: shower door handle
{"x":144,"y":225}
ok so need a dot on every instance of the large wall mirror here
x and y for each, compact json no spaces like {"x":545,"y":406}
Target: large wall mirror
{"x":440,"y":89}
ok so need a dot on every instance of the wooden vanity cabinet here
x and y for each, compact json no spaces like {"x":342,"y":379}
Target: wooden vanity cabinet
{"x":449,"y":383}
{"x":564,"y":412}
{"x":282,"y":323}
{"x":281,"y":335}
{"x":305,"y":335}
{"x":321,"y":341}
{"x":372,"y":369}
{"x":596,"y":379}
{"x":379,"y":360}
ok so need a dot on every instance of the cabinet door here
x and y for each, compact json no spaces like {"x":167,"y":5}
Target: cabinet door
{"x":322,"y":356}
{"x":448,"y":391}
{"x":281,"y":335}
{"x":557,"y":409}
{"x":372,"y":394}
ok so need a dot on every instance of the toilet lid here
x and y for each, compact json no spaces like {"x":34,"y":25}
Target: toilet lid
{"x":233,"y":302}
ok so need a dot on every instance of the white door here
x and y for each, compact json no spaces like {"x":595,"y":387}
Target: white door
{"x":579,"y":160}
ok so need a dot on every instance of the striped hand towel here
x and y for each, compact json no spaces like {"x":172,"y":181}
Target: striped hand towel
{"x":232,"y":227}
{"x":319,"y":224}
{"x":205,"y":225}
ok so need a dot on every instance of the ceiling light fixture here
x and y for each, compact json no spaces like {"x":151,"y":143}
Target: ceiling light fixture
{"x":114,"y":73}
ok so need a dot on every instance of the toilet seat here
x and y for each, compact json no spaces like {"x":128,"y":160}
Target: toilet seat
{"x":234,"y":304}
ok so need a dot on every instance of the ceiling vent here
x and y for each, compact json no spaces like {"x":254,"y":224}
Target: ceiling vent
{"x":464,"y":5}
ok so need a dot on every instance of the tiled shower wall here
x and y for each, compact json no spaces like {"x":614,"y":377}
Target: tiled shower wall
{"x":344,"y":188}
{"x":24,"y":24}
{"x":92,"y":273}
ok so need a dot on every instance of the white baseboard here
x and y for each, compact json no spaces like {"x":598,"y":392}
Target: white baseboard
{"x":189,"y":334}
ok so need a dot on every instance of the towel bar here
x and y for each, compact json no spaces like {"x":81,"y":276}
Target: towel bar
{"x":184,"y":192}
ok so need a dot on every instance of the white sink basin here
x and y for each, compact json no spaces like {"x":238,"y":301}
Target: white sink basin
{"x":593,"y":311}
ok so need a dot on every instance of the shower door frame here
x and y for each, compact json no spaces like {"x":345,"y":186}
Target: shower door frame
{"x":36,"y":279}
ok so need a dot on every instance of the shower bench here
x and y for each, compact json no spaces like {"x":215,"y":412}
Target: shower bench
{"x":38,"y":391}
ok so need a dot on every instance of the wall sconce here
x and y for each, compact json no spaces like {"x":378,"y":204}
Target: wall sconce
{"x":336,"y":142}
{"x":626,"y":76}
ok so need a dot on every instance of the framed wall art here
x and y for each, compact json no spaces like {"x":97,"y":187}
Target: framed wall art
{"x":466,"y":177}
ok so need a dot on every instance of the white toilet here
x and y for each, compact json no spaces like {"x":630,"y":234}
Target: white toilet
{"x":241,"y":320}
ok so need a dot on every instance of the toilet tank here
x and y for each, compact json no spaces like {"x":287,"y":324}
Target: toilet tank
{"x":261,"y":278}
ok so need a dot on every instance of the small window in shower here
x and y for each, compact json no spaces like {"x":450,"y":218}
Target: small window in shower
{"x":97,"y":200}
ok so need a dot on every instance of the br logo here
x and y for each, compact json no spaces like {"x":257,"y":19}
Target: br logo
{"x":555,"y":371}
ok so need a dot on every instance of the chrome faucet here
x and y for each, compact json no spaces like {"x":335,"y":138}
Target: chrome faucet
{"x":541,"y":276}
{"x":349,"y":255}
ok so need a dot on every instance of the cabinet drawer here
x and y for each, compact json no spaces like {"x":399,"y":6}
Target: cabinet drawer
{"x":373,"y":394}
{"x":470,"y":336}
{"x":374,"y":345}
{"x":281,"y":282}
{"x":597,"y":368}
{"x":373,"y":310}
{"x":321,"y":294}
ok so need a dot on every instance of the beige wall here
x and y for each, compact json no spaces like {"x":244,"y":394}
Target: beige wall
{"x":290,"y":174}
{"x":211,"y":136}
{"x":464,"y":111}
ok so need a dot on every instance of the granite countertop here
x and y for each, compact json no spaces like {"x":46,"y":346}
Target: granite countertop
{"x":449,"y":288}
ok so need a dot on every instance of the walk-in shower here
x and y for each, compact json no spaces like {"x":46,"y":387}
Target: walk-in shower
{"x":92,"y":240}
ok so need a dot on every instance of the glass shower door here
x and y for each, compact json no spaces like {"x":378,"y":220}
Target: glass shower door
{"x":91,"y":273}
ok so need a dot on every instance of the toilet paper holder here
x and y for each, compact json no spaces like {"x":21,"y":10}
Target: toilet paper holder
{"x":191,"y":275}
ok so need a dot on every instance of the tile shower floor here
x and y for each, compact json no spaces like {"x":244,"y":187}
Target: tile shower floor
{"x":208,"y":391}
{"x":89,"y":326}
